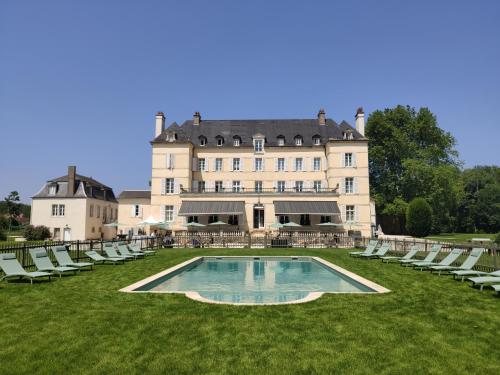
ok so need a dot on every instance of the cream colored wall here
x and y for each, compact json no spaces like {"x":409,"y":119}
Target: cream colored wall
{"x":97,"y":223}
{"x":124,"y":213}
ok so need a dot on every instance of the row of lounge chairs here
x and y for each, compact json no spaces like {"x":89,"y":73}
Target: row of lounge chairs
{"x":115,"y":254}
{"x":374,"y":250}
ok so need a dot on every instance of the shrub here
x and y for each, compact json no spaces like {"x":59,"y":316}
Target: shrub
{"x":4,"y":223}
{"x":419,"y":218}
{"x":497,"y":239}
{"x":3,"y":236}
{"x":38,"y":233}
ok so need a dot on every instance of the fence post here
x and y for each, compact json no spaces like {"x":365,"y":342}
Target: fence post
{"x":78,"y":249}
{"x":23,"y":255}
{"x":494,"y":252}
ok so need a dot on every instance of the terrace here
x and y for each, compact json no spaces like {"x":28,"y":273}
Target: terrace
{"x":427,"y":323}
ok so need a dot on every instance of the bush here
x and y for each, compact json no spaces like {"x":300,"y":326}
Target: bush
{"x":419,"y":218}
{"x":497,"y":239}
{"x":3,"y":236}
{"x":38,"y":233}
{"x":4,"y":223}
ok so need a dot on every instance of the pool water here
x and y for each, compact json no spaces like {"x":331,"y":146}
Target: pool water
{"x":256,"y":279}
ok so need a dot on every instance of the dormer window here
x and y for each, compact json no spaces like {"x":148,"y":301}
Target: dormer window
{"x":316,"y":140}
{"x":52,"y":189}
{"x":203,"y":140}
{"x":236,"y":141}
{"x":171,"y":137}
{"x":220,"y":140}
{"x":298,"y":140}
{"x":258,"y":145}
{"x":281,"y":140}
{"x":347,"y":135}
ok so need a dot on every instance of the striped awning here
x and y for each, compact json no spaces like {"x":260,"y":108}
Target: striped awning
{"x":306,"y":207}
{"x":189,"y":208}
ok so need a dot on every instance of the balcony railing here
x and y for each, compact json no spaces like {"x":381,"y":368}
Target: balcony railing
{"x":242,"y":190}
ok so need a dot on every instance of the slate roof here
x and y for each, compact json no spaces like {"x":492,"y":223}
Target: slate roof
{"x":246,"y":129}
{"x":306,"y":207}
{"x":135,"y":194}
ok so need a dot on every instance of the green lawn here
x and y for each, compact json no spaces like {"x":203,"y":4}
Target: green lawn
{"x":82,"y":324}
{"x":459,"y":237}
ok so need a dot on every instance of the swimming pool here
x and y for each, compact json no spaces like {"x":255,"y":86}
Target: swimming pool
{"x":255,"y":280}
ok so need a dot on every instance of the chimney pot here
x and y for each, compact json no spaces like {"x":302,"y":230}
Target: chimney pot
{"x":196,"y":118}
{"x":321,"y":117}
{"x":71,"y":180}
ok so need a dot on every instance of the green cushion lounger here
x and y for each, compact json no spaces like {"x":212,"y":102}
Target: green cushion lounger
{"x":63,"y":258}
{"x":382,"y":250}
{"x":464,"y":273}
{"x":409,"y":255}
{"x":470,"y":262}
{"x":111,"y":252}
{"x":446,"y":261}
{"x":370,"y":248}
{"x":492,"y":278}
{"x":496,"y":288}
{"x":96,"y":257}
{"x":435,"y":249}
{"x":43,"y":263}
{"x":135,"y":248}
{"x":12,"y":268}
{"x":123,"y":249}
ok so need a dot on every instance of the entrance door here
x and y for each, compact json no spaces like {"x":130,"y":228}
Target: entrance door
{"x":258,"y":217}
{"x":67,"y":234}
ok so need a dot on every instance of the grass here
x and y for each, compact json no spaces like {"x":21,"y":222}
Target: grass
{"x":82,"y":324}
{"x":459,"y":237}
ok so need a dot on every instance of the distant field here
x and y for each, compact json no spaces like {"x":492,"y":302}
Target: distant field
{"x":459,"y":237}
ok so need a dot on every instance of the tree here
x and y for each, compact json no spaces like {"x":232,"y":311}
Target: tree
{"x":419,"y":218}
{"x":12,"y":202}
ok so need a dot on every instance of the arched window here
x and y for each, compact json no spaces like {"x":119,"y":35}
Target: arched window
{"x":219,"y":140}
{"x":281,"y":140}
{"x":236,"y":141}
{"x":203,"y":140}
{"x":298,"y":140}
{"x":316,"y":140}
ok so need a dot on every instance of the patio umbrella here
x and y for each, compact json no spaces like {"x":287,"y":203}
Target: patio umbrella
{"x":329,"y":225}
{"x":162,"y":226}
{"x":219,"y":223}
{"x":193,"y":225}
{"x":276,"y":225}
{"x":150,"y":221}
{"x":291,"y":224}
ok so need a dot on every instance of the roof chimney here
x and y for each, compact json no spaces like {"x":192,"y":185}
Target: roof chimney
{"x":160,"y":123}
{"x":196,"y":118}
{"x":321,"y":117}
{"x":71,"y":180}
{"x":360,"y":121}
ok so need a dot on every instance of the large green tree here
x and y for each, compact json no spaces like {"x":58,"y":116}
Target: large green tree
{"x":411,"y":156}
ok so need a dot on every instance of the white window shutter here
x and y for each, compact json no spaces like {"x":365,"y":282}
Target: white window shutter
{"x":342,"y":185}
{"x":132,"y":211}
{"x":355,"y":185}
{"x":162,"y":213}
{"x":342,"y":212}
{"x":163,"y":186}
{"x":140,"y":211}
{"x":342,"y":161}
{"x":176,"y":187}
{"x":172,"y":161}
{"x":167,"y":161}
{"x":354,"y":162}
{"x":195,"y":164}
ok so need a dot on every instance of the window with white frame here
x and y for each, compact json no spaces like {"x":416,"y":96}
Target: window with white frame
{"x":169,"y":213}
{"x":350,"y":213}
{"x":219,"y":186}
{"x":299,"y":164}
{"x":201,"y":186}
{"x":258,"y":165}
{"x":170,"y":161}
{"x":236,"y":186}
{"x":218,"y":164}
{"x":281,"y":164}
{"x":349,"y":185}
{"x":281,"y":185}
{"x":203,"y":141}
{"x":298,"y":140}
{"x":219,"y":140}
{"x":169,"y":186}
{"x":52,"y":189}
{"x":317,"y":164}
{"x":137,"y":210}
{"x":316,"y":140}
{"x":55,"y":210}
{"x":91,"y":210}
{"x":258,"y":145}
{"x":236,"y":141}
{"x":201,"y":164}
{"x":192,"y":219}
{"x":299,"y":186}
{"x":236,"y":164}
{"x":348,"y":159}
{"x":281,"y":141}
{"x":258,"y":186}
{"x":317,"y":186}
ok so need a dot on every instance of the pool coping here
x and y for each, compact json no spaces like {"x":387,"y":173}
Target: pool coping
{"x":194,"y":295}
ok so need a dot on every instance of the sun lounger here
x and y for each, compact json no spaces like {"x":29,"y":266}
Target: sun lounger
{"x":110,"y":250}
{"x":135,"y":248}
{"x":63,"y":258}
{"x":370,"y":248}
{"x":470,"y":262}
{"x":96,"y":257}
{"x":13,"y":269}
{"x":42,"y":262}
{"x":123,"y":249}
{"x":409,"y":255}
{"x":435,"y":249}
{"x":492,"y":278}
{"x":446,"y":261}
{"x":464,"y":273}
{"x":496,"y":288}
{"x":382,"y":250}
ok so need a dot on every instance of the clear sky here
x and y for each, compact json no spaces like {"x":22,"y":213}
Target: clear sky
{"x":81,"y":81}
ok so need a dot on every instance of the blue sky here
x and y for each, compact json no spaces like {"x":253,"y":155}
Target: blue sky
{"x":80,"y":82}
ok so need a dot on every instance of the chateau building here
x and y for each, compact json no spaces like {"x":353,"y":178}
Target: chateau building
{"x":75,"y":207}
{"x":251,"y":174}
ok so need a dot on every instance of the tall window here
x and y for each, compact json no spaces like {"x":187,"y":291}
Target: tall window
{"x":98,"y":214}
{"x":349,"y":185}
{"x":236,"y":186}
{"x":52,"y":189}
{"x":258,"y":186}
{"x":317,"y":164}
{"x":281,"y":186}
{"x":169,"y":186}
{"x":298,"y":164}
{"x":201,"y":186}
{"x":348,"y":159}
{"x":213,"y":219}
{"x":283,"y":219}
{"x":258,"y":145}
{"x":305,"y":219}
{"x":169,"y":213}
{"x":258,"y":164}
{"x":55,"y":210}
{"x":281,"y":164}
{"x":236,"y":164}
{"x":317,"y":186}
{"x":201,"y":164}
{"x":325,"y":219}
{"x":91,"y":213}
{"x":104,"y":213}
{"x":137,"y":210}
{"x":218,"y":164}
{"x":232,"y":220}
{"x":350,"y":213}
{"x":192,"y":219}
{"x":299,"y":186}
{"x":219,"y":187}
